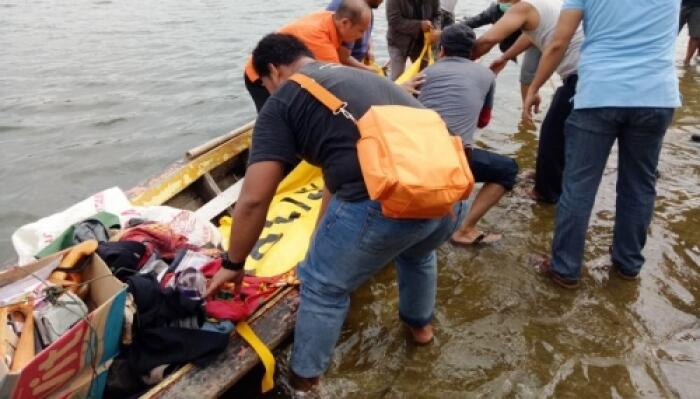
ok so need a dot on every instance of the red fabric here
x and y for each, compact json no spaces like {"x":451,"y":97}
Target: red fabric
{"x":210,"y":269}
{"x":484,"y":117}
{"x":254,"y":292}
{"x":167,"y":278}
{"x":156,"y":237}
{"x":231,"y":309}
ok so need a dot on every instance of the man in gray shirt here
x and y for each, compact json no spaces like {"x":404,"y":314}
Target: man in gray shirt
{"x":462,"y":91}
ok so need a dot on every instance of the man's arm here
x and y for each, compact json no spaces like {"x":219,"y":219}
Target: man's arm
{"x":485,"y":114}
{"x":487,"y":17}
{"x":261,"y":181}
{"x":346,"y":58}
{"x":569,"y":21}
{"x":523,"y":43}
{"x":325,"y":200}
{"x":397,"y":22}
{"x":512,"y":21}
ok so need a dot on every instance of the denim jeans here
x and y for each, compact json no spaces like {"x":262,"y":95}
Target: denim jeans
{"x":590,"y":134}
{"x":353,"y":242}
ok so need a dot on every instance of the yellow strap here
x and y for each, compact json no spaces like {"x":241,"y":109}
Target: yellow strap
{"x":322,"y":94}
{"x":415,"y":69}
{"x":429,"y":48}
{"x":268,"y":361}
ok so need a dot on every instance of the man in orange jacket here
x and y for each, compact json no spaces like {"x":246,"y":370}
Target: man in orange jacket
{"x":323,"y":32}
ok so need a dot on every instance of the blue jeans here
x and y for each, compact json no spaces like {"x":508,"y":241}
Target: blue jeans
{"x":590,"y":134}
{"x":353,"y":242}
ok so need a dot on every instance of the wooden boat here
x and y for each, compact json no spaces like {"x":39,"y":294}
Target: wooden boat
{"x":208,"y":181}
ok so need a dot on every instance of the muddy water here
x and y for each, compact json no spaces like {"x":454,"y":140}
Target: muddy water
{"x":101,"y":93}
{"x":503,"y":331}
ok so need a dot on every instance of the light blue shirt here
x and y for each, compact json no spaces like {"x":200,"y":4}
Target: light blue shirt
{"x":628,"y":54}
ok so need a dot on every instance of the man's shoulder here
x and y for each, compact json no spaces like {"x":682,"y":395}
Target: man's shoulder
{"x":462,"y":66}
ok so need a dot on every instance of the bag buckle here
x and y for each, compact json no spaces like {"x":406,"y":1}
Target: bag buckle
{"x":343,"y":110}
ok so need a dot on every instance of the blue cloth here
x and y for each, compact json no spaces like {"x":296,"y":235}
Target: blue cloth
{"x":224,"y":327}
{"x":627,"y":58}
{"x":590,"y":134}
{"x":353,"y":242}
{"x":360,"y":48}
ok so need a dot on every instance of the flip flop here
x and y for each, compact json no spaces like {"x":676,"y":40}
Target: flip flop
{"x":484,"y":237}
{"x":542,"y":266}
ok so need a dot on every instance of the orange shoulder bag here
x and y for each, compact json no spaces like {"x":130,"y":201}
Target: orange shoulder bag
{"x":410,"y":163}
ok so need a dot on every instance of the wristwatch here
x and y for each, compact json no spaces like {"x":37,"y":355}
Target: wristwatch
{"x":227,"y":264}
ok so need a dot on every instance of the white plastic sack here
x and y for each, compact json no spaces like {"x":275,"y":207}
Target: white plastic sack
{"x":32,"y":238}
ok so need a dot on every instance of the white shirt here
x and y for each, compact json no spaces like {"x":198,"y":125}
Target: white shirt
{"x":541,"y":36}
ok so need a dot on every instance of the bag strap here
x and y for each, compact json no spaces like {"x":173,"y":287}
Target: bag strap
{"x":323,"y":95}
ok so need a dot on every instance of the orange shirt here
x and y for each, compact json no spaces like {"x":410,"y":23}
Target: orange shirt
{"x":317,"y":31}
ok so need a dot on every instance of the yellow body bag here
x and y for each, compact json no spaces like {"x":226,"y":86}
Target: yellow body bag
{"x":414,"y":69}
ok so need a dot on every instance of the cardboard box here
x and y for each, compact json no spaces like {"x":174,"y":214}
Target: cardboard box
{"x":87,"y":345}
{"x":86,"y":385}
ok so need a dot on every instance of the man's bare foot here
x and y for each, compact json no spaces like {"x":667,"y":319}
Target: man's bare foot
{"x":473,"y":236}
{"x":422,"y":335}
{"x":301,"y":383}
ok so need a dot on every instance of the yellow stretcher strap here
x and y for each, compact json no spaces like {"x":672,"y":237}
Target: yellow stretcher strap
{"x":268,"y":361}
{"x":414,"y":69}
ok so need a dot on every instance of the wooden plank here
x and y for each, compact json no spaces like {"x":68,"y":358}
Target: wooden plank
{"x":210,"y":185}
{"x":199,"y":150}
{"x":272,"y":327}
{"x":222,"y":201}
{"x":211,"y":190}
{"x":179,"y":176}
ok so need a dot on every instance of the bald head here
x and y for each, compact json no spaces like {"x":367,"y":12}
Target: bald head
{"x":354,"y":10}
{"x":352,"y":19}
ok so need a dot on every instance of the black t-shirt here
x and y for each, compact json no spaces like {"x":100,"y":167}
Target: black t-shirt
{"x":293,"y":125}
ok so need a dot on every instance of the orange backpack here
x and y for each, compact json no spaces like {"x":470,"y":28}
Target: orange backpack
{"x":410,"y":163}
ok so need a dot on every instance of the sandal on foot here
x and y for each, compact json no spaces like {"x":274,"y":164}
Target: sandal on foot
{"x":484,"y":237}
{"x":543,"y":267}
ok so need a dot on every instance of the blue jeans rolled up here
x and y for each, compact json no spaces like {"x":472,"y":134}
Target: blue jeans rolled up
{"x":353,"y":242}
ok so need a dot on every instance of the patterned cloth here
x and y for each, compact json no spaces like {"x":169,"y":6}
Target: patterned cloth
{"x":191,"y":283}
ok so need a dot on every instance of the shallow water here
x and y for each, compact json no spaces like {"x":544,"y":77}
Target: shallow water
{"x":102,"y":93}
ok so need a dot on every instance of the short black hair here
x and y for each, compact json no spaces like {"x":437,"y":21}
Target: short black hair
{"x":277,"y":49}
{"x":457,"y":40}
{"x":351,"y":9}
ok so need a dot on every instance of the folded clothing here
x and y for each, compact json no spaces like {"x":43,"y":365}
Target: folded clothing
{"x":122,"y":257}
{"x":157,"y":307}
{"x":191,"y":283}
{"x":53,"y":319}
{"x":154,"y":347}
{"x":94,"y":228}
